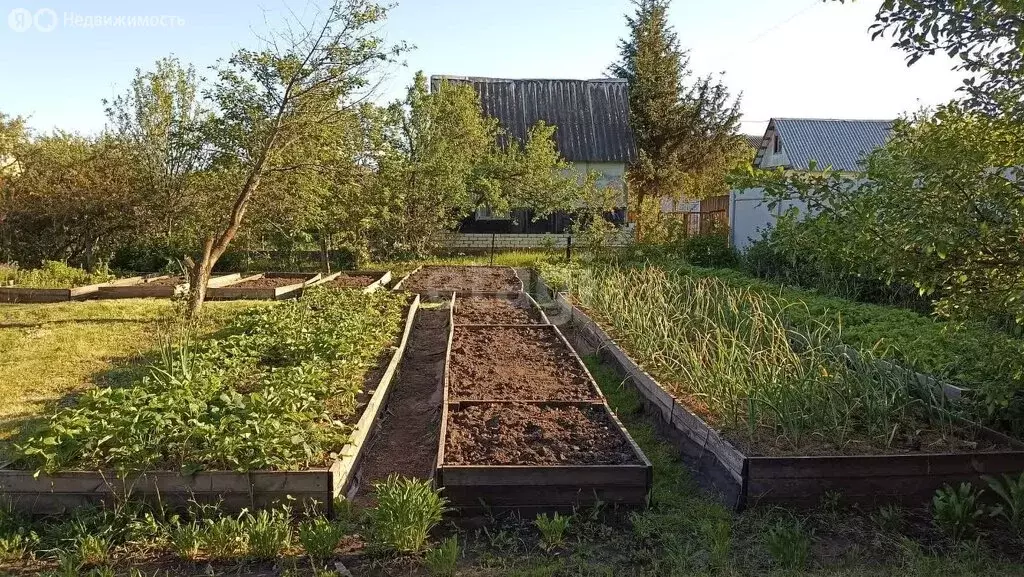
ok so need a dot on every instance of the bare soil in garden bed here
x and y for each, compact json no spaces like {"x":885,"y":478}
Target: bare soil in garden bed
{"x":495,"y":310}
{"x":515,"y":363}
{"x":405,"y":441}
{"x":464,"y":278}
{"x":352,"y":281}
{"x":270,"y":282}
{"x":522,"y":434}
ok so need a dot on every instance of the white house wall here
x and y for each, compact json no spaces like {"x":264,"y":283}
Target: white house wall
{"x":750,"y":215}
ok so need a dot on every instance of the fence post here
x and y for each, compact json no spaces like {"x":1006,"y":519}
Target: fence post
{"x":492,"y":248}
{"x":568,"y":248}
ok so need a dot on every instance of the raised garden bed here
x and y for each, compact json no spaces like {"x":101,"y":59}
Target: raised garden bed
{"x":368,"y":281}
{"x":742,"y":479}
{"x":510,"y":363}
{"x":264,"y":286}
{"x":163,"y":286}
{"x":20,"y":294}
{"x":525,"y":426}
{"x":488,"y":279}
{"x":232,"y":491}
{"x":498,"y":309}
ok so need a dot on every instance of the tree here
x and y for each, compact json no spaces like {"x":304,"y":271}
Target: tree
{"x":987,"y":36}
{"x":157,"y":120}
{"x":439,"y":158}
{"x":68,"y":197}
{"x":686,"y":135}
{"x":938,"y":207}
{"x":268,"y":102}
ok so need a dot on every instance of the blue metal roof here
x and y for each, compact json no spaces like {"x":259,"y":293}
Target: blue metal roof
{"x":841,"y":144}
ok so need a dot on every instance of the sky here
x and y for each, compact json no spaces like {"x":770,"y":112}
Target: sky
{"x":788,"y":58}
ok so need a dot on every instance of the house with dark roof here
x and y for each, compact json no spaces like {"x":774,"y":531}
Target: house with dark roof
{"x":801,"y":144}
{"x":592,"y":133}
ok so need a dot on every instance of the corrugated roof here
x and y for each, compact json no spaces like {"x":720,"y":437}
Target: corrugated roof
{"x":591,"y":116}
{"x":841,"y":144}
{"x":754,"y":140}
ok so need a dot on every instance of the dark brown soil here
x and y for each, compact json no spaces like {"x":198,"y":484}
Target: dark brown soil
{"x":515,"y":363}
{"x":519,"y":434}
{"x":170,"y":281}
{"x":405,"y":441}
{"x":352,"y":281}
{"x":464,"y":278}
{"x":271,"y":282}
{"x":483,"y":310}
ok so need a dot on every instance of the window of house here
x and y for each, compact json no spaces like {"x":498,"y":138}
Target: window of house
{"x":777,"y":144}
{"x":486,"y":213}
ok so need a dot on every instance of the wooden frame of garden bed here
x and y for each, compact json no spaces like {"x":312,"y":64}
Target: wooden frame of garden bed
{"x":537,"y":487}
{"x":801,"y":481}
{"x":144,"y":289}
{"x":383,"y":278}
{"x":400,"y":284}
{"x":228,"y":291}
{"x":60,"y":492}
{"x":533,"y":306}
{"x":16,"y":294}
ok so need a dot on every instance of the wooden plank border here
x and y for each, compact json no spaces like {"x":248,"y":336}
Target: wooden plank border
{"x":144,"y":288}
{"x":230,"y":291}
{"x":17,"y":294}
{"x":401,"y":283}
{"x":57,"y":493}
{"x":527,"y":487}
{"x":345,"y":469}
{"x":383,"y":278}
{"x":801,"y":481}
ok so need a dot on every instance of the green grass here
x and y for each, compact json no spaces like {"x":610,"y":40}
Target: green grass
{"x":276,"y":389}
{"x":513,"y":258}
{"x":51,"y":351}
{"x":685,"y":532}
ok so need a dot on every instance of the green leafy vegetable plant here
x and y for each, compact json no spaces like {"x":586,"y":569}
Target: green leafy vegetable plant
{"x":406,"y":511}
{"x":957,"y":511}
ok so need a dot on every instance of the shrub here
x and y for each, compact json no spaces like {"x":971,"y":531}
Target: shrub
{"x":709,"y":250}
{"x":406,"y":511}
{"x":957,"y":511}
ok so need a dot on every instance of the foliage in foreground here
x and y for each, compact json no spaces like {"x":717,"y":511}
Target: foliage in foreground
{"x":52,"y":274}
{"x":732,"y":355}
{"x":683,"y":532}
{"x":274,"y":391}
{"x":406,"y":511}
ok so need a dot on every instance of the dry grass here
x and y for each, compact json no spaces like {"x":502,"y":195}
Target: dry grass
{"x":49,"y":352}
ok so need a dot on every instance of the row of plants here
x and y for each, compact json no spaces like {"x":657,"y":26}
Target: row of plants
{"x":732,"y":354}
{"x":94,"y":541}
{"x":968,"y":354}
{"x":277,"y":389}
{"x":52,"y":274}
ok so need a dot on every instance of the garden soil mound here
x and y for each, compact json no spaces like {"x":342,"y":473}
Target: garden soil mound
{"x":512,"y":363}
{"x":523,"y":434}
{"x":481,"y":310}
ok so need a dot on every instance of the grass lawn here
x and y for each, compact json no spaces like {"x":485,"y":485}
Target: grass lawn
{"x":51,"y":351}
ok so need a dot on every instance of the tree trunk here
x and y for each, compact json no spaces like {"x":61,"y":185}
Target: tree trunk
{"x":198,"y":277}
